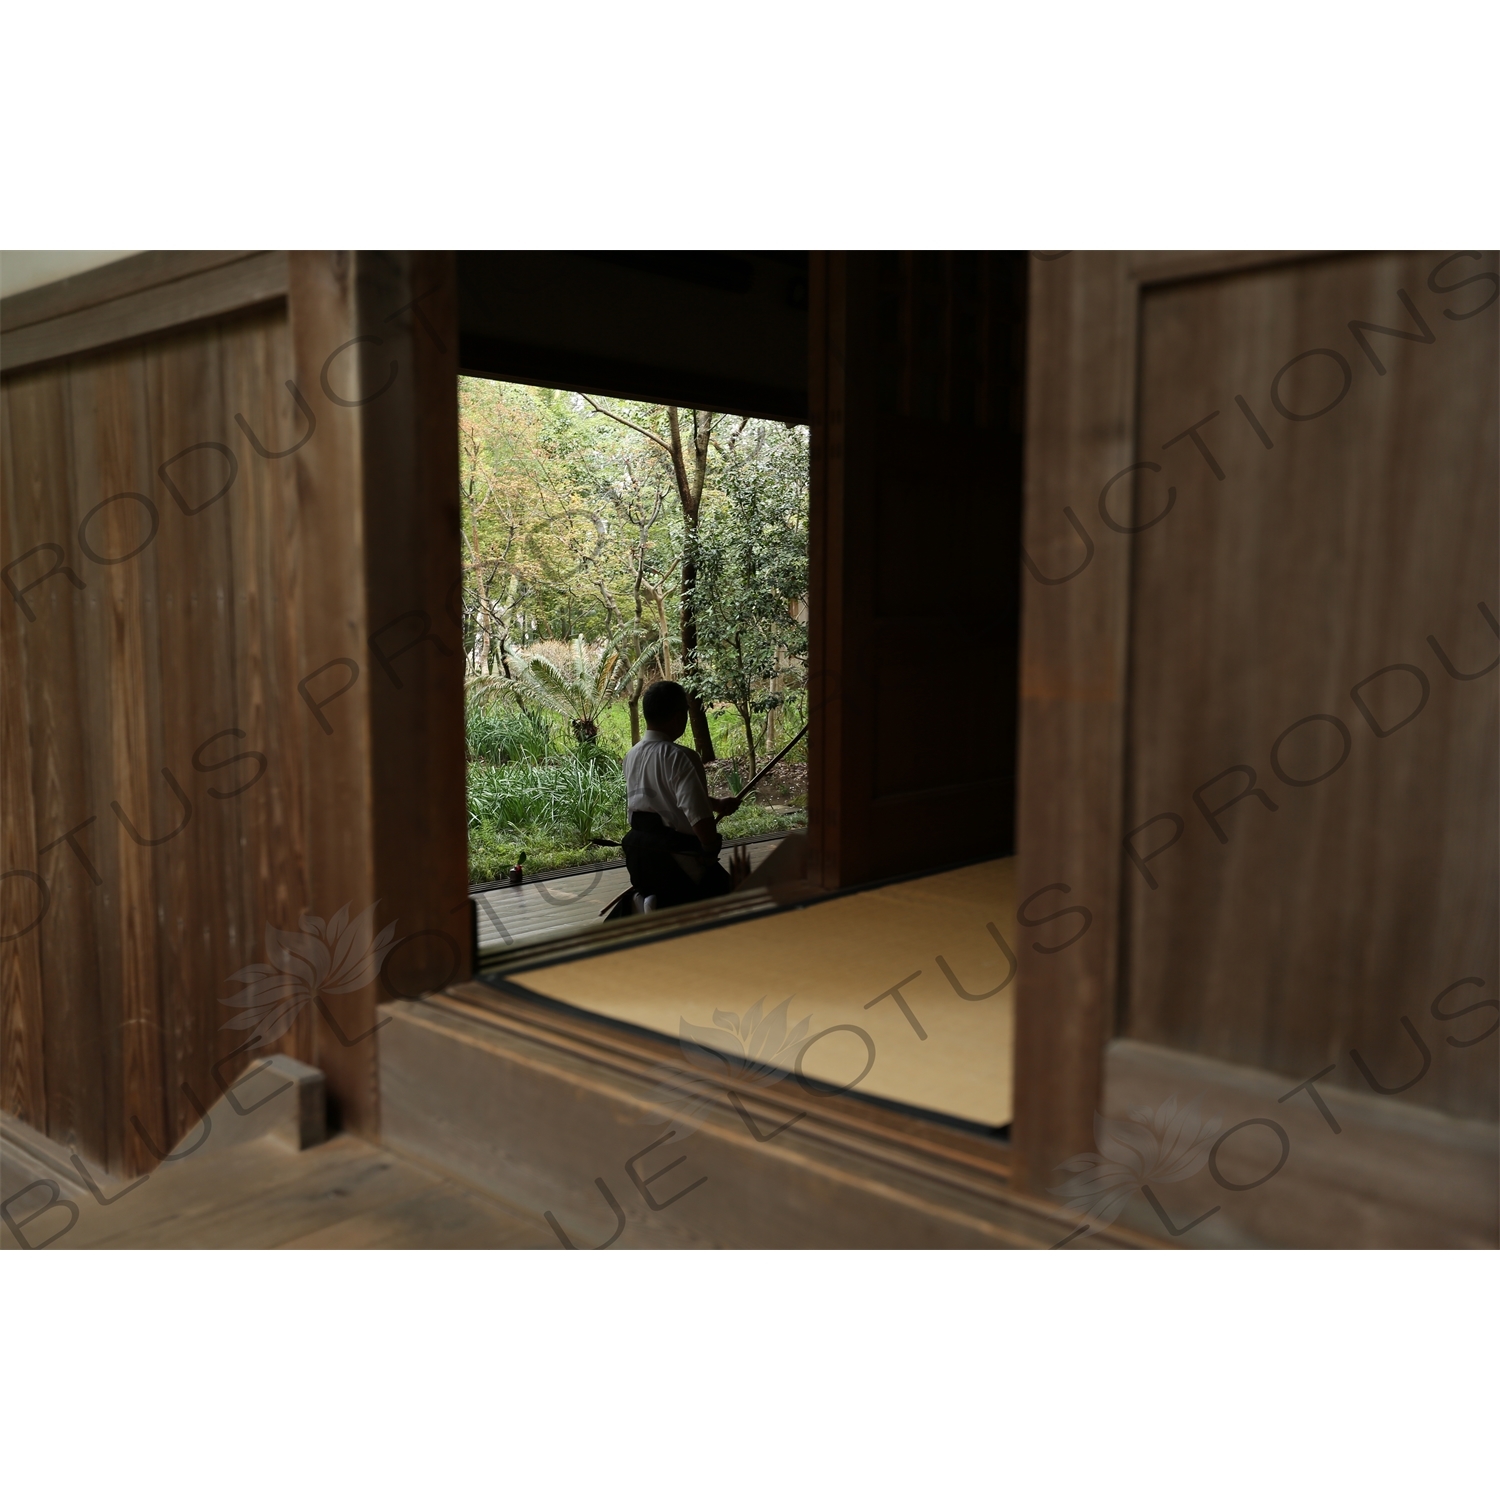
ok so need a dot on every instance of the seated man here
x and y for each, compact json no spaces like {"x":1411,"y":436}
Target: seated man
{"x":672,"y":849}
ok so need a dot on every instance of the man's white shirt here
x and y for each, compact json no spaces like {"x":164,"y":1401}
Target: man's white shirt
{"x":666,"y":778}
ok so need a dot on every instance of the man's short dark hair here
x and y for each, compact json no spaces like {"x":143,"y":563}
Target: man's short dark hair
{"x":664,"y":700}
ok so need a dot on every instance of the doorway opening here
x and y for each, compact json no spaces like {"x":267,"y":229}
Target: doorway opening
{"x":610,"y":544}
{"x":887,"y":969}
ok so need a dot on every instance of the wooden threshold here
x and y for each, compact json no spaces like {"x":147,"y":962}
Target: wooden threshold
{"x":738,"y":906}
{"x":721,"y":911}
{"x":876,"y":1149}
{"x":950,"y":1152}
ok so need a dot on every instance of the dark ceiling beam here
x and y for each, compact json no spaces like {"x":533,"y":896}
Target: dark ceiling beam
{"x":716,"y":330}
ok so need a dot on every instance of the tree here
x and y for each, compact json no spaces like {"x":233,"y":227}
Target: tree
{"x":689,"y":482}
{"x":608,"y":521}
{"x":523,"y":523}
{"x":752,"y":576}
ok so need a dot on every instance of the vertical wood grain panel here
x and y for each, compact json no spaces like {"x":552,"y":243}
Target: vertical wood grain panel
{"x":1079,"y":398}
{"x":132,"y":674}
{"x":267,"y":612}
{"x":1262,"y":599}
{"x":23,"y":901}
{"x":198,"y":872}
{"x":1212,"y":633}
{"x":45,"y":691}
{"x":333,"y":626}
{"x":341,"y":520}
{"x":121,"y":719}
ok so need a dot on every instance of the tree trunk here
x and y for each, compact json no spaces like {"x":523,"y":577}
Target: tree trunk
{"x":666,"y":642}
{"x":697,"y":715}
{"x":690,"y":492}
{"x":744,"y":709}
{"x":484,"y":643}
{"x":635,"y":648}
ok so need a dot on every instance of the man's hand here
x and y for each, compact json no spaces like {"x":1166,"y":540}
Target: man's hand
{"x":724,"y":806}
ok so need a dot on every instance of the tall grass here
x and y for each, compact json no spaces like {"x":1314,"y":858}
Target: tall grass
{"x":577,"y":796}
{"x":498,"y":735}
{"x":585,"y":797}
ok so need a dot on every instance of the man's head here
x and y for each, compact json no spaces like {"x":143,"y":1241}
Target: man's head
{"x":666,"y":708}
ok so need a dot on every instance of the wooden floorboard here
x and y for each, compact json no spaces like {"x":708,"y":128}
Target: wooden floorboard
{"x":345,"y":1194}
{"x":541,"y":908}
{"x":446,"y":1217}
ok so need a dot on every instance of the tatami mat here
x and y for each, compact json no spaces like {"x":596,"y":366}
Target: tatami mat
{"x":829,"y":961}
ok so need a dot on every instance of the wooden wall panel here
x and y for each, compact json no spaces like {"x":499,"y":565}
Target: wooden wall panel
{"x":331,"y":629}
{"x":1195,"y":639}
{"x":61,"y":841}
{"x":256,"y":502}
{"x":119,"y":720}
{"x":266,"y":611}
{"x":23,"y":1088}
{"x":1262,"y":599}
{"x":913,"y":554}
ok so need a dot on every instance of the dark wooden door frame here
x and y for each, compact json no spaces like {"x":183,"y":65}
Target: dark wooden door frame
{"x":914,"y":390}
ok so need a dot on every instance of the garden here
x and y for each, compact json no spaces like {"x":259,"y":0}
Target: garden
{"x":608,"y":544}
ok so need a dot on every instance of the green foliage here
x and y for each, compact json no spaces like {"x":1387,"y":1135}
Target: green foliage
{"x":752,"y":819}
{"x":580,"y":685}
{"x":582,"y":797}
{"x":574,"y":536}
{"x":497,"y":732}
{"x":566,"y":524}
{"x":751,"y":555}
{"x":586,"y":798}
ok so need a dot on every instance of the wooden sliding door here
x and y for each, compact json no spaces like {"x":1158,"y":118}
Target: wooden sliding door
{"x":916,"y":410}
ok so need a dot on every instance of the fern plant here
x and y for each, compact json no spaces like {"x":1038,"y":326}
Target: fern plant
{"x":580,"y":682}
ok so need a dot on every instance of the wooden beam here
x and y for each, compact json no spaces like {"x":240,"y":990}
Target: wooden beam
{"x":119,"y":278}
{"x":375,"y":334}
{"x":1080,"y":397}
{"x":169,"y":301}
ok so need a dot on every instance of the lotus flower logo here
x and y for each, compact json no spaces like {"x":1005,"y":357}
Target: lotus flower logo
{"x":335,"y":957}
{"x":735,"y":1050}
{"x":1169,"y":1145}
